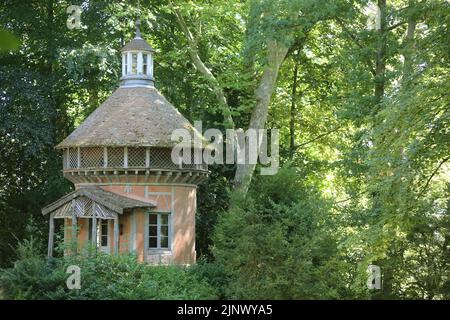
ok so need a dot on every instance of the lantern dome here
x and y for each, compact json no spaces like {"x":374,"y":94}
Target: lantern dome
{"x":137,"y":62}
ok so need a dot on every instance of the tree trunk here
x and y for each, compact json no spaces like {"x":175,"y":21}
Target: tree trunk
{"x":276,"y":52}
{"x":293,"y":111}
{"x":408,"y":54}
{"x":380,"y":66}
{"x":50,"y":45}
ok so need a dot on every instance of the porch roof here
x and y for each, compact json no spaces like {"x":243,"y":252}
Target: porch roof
{"x":106,"y":199}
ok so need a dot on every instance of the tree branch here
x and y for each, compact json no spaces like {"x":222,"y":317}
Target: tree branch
{"x":320,"y":136}
{"x":395,"y":26}
{"x":202,"y":68}
{"x":356,"y":41}
{"x":431,"y":177}
{"x":276,"y":53}
{"x":350,"y":198}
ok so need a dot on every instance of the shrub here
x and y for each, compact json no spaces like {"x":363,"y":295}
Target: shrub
{"x":214,"y":274}
{"x":103,"y":277}
{"x":32,"y":277}
{"x":275,"y":243}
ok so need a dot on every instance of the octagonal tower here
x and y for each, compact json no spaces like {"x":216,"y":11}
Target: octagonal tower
{"x":129,"y":195}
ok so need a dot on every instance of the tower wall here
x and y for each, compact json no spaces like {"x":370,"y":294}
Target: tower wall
{"x":177,"y":200}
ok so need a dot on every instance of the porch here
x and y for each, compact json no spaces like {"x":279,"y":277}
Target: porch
{"x":101,"y":208}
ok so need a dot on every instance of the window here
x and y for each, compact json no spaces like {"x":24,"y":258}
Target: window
{"x":134,"y":63}
{"x":136,"y":157}
{"x":158,"y":231}
{"x":91,"y":157}
{"x":144,"y":63}
{"x":102,"y":233}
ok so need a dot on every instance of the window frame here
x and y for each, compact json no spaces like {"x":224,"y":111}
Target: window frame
{"x":134,"y":63}
{"x":99,"y":235}
{"x":158,"y":236}
{"x":144,"y":64}
{"x":101,"y":225}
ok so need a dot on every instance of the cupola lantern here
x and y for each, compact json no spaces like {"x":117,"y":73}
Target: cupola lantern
{"x":137,"y":62}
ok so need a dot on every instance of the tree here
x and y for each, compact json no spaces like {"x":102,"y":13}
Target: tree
{"x":269,"y":36}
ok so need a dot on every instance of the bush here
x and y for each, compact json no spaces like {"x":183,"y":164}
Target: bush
{"x":32,"y":277}
{"x":103,"y":277}
{"x":214,"y":274}
{"x":276,"y":243}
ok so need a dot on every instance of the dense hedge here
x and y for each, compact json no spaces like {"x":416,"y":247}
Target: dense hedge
{"x":103,"y":277}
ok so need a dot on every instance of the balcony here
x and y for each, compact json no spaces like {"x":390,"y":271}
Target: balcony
{"x":97,"y":161}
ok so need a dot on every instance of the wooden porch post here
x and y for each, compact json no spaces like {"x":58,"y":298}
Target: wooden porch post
{"x":94,"y":226}
{"x":146,"y":221}
{"x":51,"y":233}
{"x":116,"y":234}
{"x":74,"y":227}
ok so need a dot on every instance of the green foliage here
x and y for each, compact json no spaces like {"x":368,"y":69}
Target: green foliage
{"x":214,"y":274}
{"x":400,"y":153}
{"x":213,"y":198}
{"x":103,"y":277}
{"x":8,"y":41}
{"x":32,"y":276}
{"x":276,"y":244}
{"x":372,"y":177}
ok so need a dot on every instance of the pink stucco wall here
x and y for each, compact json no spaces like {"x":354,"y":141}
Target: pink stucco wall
{"x":179,"y":200}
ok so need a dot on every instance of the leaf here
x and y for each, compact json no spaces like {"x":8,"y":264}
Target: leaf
{"x":8,"y":41}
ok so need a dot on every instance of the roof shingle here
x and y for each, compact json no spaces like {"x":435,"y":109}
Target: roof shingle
{"x":135,"y":116}
{"x":137,"y":44}
{"x":110,"y":200}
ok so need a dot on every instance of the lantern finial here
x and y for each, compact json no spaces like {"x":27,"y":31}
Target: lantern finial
{"x":138,"y":31}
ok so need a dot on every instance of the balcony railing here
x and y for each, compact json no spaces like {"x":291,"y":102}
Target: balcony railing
{"x":97,"y":158}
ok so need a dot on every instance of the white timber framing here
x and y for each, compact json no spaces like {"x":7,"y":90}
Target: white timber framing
{"x":139,"y":62}
{"x":133,"y":231}
{"x":129,"y":63}
{"x":116,"y":235}
{"x":105,"y":157}
{"x":172,"y":218}
{"x":74,"y":226}
{"x":124,"y":64}
{"x":51,"y":234}
{"x":125,"y":157}
{"x":94,"y":226}
{"x":147,"y":157}
{"x":146,"y":219}
{"x":78,"y":158}
{"x":68,"y":158}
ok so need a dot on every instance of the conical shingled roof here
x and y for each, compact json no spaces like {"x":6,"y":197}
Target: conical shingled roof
{"x":137,"y":44}
{"x":135,"y":116}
